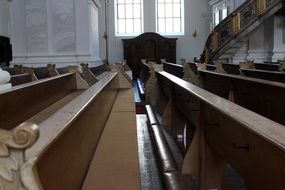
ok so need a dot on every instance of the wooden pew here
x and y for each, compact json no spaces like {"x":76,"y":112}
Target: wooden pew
{"x":23,"y":101}
{"x":21,"y":75}
{"x":174,"y":69}
{"x":261,"y":96}
{"x":19,"y":79}
{"x":265,"y":74}
{"x":221,"y":133}
{"x":82,"y":134}
{"x":268,"y":66}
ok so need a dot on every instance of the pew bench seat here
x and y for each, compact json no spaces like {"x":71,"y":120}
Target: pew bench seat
{"x":115,"y":164}
{"x":88,"y":139}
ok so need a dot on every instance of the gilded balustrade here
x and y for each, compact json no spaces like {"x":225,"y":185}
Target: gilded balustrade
{"x":233,"y":25}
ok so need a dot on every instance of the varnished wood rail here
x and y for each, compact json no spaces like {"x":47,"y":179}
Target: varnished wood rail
{"x":72,"y":136}
{"x":261,"y":96}
{"x":221,"y":132}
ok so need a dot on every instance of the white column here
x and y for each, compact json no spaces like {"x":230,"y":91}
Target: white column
{"x":4,"y":18}
{"x":261,"y":43}
{"x":241,"y":55}
{"x":279,"y":38}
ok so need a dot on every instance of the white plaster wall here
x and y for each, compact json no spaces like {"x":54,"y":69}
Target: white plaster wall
{"x":279,"y":38}
{"x":94,"y":31}
{"x":63,"y":26}
{"x":36,"y":26}
{"x":261,"y":42}
{"x":53,"y":31}
{"x":197,"y":17}
{"x":238,"y":3}
{"x":4,"y":18}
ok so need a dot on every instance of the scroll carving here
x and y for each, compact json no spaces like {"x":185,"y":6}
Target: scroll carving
{"x":219,"y":67}
{"x":246,"y":65}
{"x":52,"y":70}
{"x":14,"y":174}
{"x":281,"y":65}
{"x":189,"y":75}
{"x":157,"y":67}
{"x":183,"y":61}
{"x":162,"y":60}
{"x":201,"y":66}
{"x":151,"y":86}
{"x":120,"y":67}
{"x":87,"y":75}
{"x":145,"y":62}
{"x":72,"y":68}
{"x":20,"y":69}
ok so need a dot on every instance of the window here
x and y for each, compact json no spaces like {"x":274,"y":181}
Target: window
{"x":216,"y":17}
{"x":220,"y":13}
{"x":128,"y":17}
{"x":170,"y":17}
{"x":225,"y":12}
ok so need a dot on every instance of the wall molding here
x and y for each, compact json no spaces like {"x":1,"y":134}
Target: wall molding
{"x":64,"y":60}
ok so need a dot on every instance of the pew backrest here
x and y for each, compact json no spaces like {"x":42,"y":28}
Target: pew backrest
{"x":228,"y":133}
{"x":23,"y":101}
{"x":63,"y":155}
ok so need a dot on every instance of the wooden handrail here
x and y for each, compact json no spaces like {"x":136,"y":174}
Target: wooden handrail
{"x":267,"y":129}
{"x":224,"y":132}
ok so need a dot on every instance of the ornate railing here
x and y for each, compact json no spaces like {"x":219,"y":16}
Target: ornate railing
{"x":237,"y":25}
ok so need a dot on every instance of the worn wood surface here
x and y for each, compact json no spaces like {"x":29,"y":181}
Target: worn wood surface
{"x":228,"y":133}
{"x":115,"y":164}
{"x":71,"y":136}
{"x":24,"y":101}
{"x":20,"y":79}
{"x":261,"y":96}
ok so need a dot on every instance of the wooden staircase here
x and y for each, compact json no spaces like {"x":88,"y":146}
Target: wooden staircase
{"x":230,"y":34}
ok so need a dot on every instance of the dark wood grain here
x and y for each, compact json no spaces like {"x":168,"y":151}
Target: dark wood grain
{"x":150,"y":46}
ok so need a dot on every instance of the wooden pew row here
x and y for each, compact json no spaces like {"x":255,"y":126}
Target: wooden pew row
{"x":171,"y":175}
{"x":264,"y":74}
{"x":174,"y":69}
{"x":234,"y":68}
{"x":267,"y":66}
{"x":261,"y":96}
{"x":218,"y":133}
{"x":78,"y":132}
{"x":261,"y":70}
{"x":19,"y":79}
{"x":21,"y":75}
{"x":265,"y":71}
{"x":24,"y":101}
